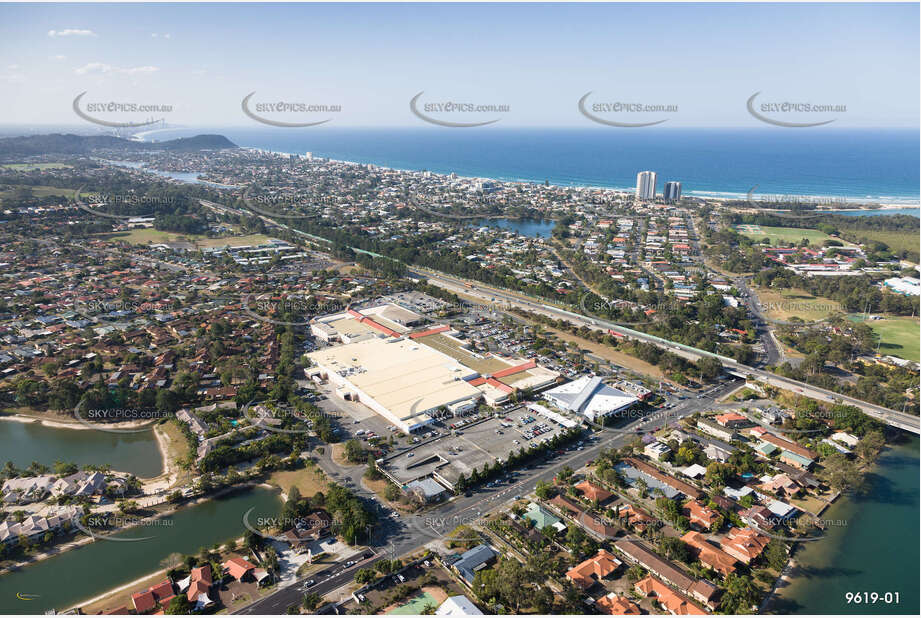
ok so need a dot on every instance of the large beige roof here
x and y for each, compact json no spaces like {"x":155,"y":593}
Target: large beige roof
{"x":405,"y":377}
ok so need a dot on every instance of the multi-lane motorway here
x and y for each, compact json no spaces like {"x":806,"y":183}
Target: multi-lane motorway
{"x":907,"y":422}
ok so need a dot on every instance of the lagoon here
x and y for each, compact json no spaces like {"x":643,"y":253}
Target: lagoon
{"x":532,"y":228}
{"x":23,"y":443}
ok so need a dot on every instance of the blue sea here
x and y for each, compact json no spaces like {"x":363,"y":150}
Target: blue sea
{"x":866,"y":165}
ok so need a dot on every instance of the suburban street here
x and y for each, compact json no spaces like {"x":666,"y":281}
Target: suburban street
{"x":398,"y":536}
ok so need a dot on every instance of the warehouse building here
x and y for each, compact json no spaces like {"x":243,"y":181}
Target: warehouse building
{"x":404,"y":381}
{"x":590,"y":397}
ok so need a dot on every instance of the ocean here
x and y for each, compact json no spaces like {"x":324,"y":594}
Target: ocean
{"x":857,"y":165}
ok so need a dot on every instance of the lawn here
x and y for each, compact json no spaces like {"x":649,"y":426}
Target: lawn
{"x":895,"y":240}
{"x":148,"y":235}
{"x":37,"y":191}
{"x":789,"y":303}
{"x":37,"y":166}
{"x":233,"y":241}
{"x":308,"y":480}
{"x":783,"y":234}
{"x":898,"y":336}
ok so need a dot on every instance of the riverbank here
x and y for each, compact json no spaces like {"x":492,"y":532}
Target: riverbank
{"x":876,"y":550}
{"x":44,"y":421}
{"x":99,"y":568}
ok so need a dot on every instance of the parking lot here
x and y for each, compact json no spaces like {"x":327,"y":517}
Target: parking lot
{"x":471,"y":444}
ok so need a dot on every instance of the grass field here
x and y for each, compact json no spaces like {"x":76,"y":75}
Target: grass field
{"x":308,"y":480}
{"x":897,"y":241}
{"x":37,"y":191}
{"x":28,"y":167}
{"x":898,"y":336}
{"x":233,"y":241}
{"x":783,"y":234}
{"x":148,"y":235}
{"x":790,"y":303}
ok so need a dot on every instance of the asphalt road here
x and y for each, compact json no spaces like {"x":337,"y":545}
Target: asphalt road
{"x":398,"y":536}
{"x":901,"y":420}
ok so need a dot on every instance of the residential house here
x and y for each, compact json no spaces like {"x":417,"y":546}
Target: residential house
{"x":709,"y":555}
{"x":744,"y":544}
{"x":596,"y":568}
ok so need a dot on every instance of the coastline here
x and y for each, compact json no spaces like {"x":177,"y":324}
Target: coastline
{"x":846,"y":202}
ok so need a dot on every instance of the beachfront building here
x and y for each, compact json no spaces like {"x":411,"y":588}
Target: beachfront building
{"x":646,"y":186}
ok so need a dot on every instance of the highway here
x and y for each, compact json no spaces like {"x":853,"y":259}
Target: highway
{"x":894,"y":418}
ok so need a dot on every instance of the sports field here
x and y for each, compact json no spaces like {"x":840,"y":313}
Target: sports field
{"x":28,"y":167}
{"x":898,"y":337}
{"x":783,"y":234}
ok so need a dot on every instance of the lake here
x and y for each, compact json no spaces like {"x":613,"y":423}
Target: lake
{"x":23,"y":443}
{"x":532,"y":228}
{"x":84,"y":573}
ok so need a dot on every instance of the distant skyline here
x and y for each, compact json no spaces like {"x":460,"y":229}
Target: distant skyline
{"x":701,"y":63}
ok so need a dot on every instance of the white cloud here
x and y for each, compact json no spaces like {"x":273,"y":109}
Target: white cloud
{"x":13,"y":67}
{"x":58,"y":57}
{"x":100,"y":68}
{"x":157,"y":35}
{"x":71,"y":32}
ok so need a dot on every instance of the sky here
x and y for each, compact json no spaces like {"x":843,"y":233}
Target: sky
{"x":539,"y":60}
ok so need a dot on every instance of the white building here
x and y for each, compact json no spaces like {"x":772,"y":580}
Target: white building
{"x":458,"y":606}
{"x":589,"y":396}
{"x":904,"y":285}
{"x":646,"y":186}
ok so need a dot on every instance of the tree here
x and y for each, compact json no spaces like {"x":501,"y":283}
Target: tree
{"x":870,"y":445}
{"x":842,"y":474}
{"x":740,"y":595}
{"x":311,"y":601}
{"x":543,"y":490}
{"x":776,"y":554}
{"x":180,"y":605}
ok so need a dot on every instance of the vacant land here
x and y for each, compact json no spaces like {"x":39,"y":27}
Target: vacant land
{"x":308,"y":480}
{"x":36,"y":190}
{"x":795,"y":303}
{"x":28,"y":167}
{"x":233,"y":241}
{"x":895,"y":240}
{"x":783,"y":234}
{"x":898,"y":337}
{"x":610,"y":354}
{"x":148,"y":236}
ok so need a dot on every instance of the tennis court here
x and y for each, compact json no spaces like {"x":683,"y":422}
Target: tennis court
{"x":415,"y":605}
